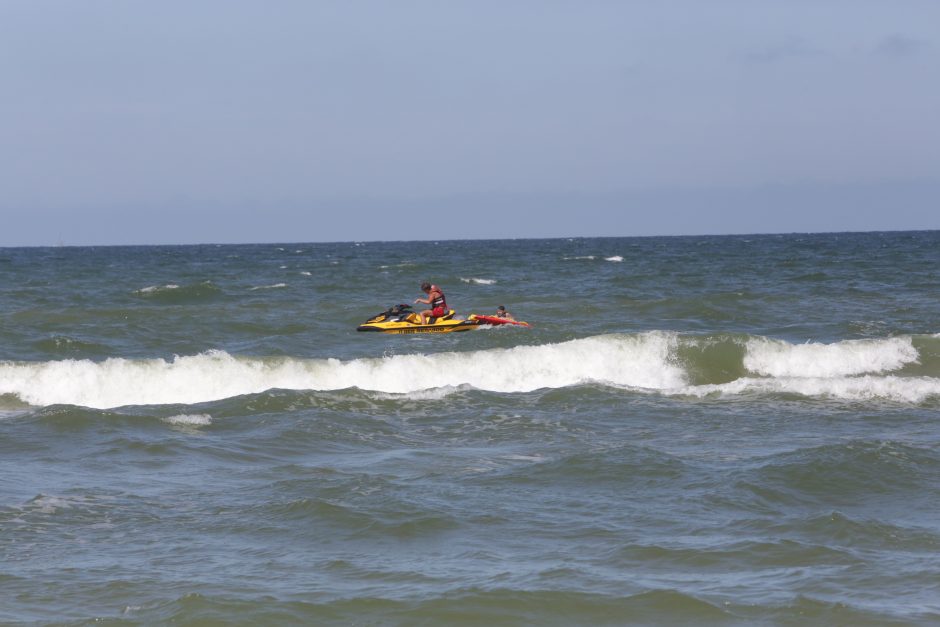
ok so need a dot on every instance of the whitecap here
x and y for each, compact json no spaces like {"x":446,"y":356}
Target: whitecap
{"x":157,"y":288}
{"x":190,"y":420}
{"x":478,"y":281}
{"x":776,"y":358}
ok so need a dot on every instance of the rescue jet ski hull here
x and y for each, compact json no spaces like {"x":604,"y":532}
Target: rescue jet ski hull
{"x":402,"y":321}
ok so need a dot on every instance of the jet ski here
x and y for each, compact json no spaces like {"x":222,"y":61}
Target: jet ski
{"x":401,"y":319}
{"x":496,"y":320}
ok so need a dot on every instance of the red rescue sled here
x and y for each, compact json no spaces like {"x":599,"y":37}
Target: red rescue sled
{"x":494,"y":320}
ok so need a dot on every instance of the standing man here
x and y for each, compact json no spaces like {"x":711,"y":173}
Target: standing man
{"x":435,"y":299}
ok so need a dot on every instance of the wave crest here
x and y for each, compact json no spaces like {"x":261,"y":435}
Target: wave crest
{"x":657,"y":361}
{"x":640,"y":361}
{"x":777,"y":358}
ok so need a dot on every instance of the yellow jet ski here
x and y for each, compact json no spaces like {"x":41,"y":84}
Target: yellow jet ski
{"x":401,"y":319}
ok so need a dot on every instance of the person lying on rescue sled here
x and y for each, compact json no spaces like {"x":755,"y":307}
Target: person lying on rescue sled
{"x":502,"y":313}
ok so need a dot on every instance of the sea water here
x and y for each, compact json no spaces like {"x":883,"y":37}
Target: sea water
{"x":695,"y":430}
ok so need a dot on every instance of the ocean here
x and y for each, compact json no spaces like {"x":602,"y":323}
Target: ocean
{"x":727,"y":430}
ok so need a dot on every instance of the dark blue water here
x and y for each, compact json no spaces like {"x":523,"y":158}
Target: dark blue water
{"x":700,"y":430}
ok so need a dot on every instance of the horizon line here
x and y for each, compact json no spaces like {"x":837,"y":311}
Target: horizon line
{"x":467,"y":239}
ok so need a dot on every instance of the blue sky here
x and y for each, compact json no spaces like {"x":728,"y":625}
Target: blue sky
{"x":230,"y":121}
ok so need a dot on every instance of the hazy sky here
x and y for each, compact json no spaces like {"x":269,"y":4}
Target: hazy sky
{"x":127,"y":121}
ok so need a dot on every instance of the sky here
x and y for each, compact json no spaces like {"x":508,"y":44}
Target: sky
{"x":174,"y":122}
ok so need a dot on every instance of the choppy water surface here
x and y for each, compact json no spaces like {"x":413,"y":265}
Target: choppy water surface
{"x":703,"y":430}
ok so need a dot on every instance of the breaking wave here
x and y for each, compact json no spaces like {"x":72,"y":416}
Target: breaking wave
{"x":656,"y":362}
{"x":777,"y":358}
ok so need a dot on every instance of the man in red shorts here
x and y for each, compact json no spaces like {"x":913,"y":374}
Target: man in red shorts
{"x":435,"y":299}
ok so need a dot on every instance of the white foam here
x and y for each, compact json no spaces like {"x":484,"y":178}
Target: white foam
{"x":867,"y":388}
{"x":433,"y":394}
{"x":776,"y":358}
{"x":268,"y":287}
{"x":850,"y":370}
{"x":50,"y":503}
{"x":190,"y":420}
{"x":614,"y":258}
{"x":306,"y":273}
{"x":157,"y":288}
{"x":639,"y":361}
{"x":582,"y":257}
{"x":478,"y":281}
